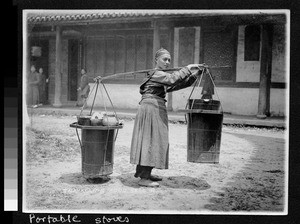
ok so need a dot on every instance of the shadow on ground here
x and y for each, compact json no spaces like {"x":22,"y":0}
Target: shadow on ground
{"x":78,"y":179}
{"x":178,"y":182}
{"x":259,"y":186}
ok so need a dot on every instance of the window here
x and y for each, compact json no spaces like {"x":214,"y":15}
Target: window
{"x":121,"y":52}
{"x":252,"y":43}
{"x":219,"y":51}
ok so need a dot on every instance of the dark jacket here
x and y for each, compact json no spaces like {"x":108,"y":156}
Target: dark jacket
{"x":158,"y":82}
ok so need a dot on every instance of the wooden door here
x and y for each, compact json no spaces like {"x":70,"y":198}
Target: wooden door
{"x":73,"y":71}
{"x":186,"y":45}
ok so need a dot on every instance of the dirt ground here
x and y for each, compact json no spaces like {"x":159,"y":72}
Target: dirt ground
{"x":249,"y":178}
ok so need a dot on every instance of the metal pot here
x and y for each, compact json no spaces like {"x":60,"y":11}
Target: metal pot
{"x":109,"y":120}
{"x":84,"y":120}
{"x":96,"y":121}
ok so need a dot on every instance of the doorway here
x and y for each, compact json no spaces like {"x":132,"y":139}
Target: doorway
{"x":41,"y":61}
{"x":73,"y":71}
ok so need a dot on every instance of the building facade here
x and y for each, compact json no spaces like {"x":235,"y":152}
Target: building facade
{"x":246,"y":53}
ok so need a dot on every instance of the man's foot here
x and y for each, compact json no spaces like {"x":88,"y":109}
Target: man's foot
{"x":148,"y":183}
{"x":155,"y":178}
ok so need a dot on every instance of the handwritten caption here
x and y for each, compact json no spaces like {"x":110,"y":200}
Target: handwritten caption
{"x":74,"y":219}
{"x":104,"y":219}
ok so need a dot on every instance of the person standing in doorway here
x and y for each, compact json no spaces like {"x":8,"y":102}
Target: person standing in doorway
{"x":150,"y":139}
{"x":84,"y":88}
{"x":42,"y":87}
{"x":33,"y":87}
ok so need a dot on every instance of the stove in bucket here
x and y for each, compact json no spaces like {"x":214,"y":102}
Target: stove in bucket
{"x":97,"y":140}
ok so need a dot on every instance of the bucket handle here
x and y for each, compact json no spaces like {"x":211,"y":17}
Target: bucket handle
{"x":199,"y":82}
{"x":207,"y":71}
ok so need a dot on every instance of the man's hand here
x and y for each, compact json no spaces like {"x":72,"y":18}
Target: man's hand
{"x":98,"y":78}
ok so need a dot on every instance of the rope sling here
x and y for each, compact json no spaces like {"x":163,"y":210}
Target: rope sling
{"x":97,"y":81}
{"x":103,"y":91}
{"x":197,"y":84}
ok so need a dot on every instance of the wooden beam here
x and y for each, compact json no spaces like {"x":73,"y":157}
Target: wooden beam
{"x":197,"y":45}
{"x":58,"y":65}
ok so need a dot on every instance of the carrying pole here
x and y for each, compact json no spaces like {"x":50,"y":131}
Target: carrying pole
{"x":146,"y":71}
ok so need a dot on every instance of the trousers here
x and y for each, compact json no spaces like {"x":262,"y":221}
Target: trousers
{"x":143,"y":172}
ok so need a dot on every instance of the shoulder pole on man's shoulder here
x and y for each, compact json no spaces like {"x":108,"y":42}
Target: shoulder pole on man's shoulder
{"x":144,"y":71}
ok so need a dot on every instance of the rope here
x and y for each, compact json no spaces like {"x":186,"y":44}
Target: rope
{"x":109,"y":129}
{"x":107,"y":137}
{"x":186,"y":106}
{"x":215,"y":88}
{"x":210,"y":76}
{"x":104,"y":103}
{"x":78,"y":138}
{"x":86,"y":99}
{"x":84,"y":103}
{"x":94,"y":98}
{"x":113,"y":109}
{"x":197,"y":81}
{"x":110,"y":101}
{"x":105,"y":149}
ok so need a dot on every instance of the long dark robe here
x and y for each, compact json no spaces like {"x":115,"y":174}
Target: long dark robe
{"x":150,"y":139}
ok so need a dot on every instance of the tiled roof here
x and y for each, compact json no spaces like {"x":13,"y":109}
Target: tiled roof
{"x":40,"y":16}
{"x":70,"y":16}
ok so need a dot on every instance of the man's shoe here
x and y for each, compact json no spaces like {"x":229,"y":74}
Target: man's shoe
{"x":148,"y":183}
{"x":155,"y":178}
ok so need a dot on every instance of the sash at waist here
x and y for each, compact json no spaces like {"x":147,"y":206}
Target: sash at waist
{"x":147,"y":96}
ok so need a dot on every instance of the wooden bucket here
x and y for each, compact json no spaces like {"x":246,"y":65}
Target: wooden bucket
{"x":204,"y":126}
{"x":97,"y":150}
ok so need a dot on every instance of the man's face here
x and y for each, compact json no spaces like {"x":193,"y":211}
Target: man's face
{"x":163,"y":61}
{"x":32,"y":69}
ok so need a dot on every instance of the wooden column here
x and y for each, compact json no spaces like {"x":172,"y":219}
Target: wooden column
{"x":269,"y":66}
{"x":156,"y":46}
{"x":26,"y":74}
{"x":265,"y":73}
{"x":156,"y":39}
{"x":170,"y":45}
{"x":58,"y":66}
